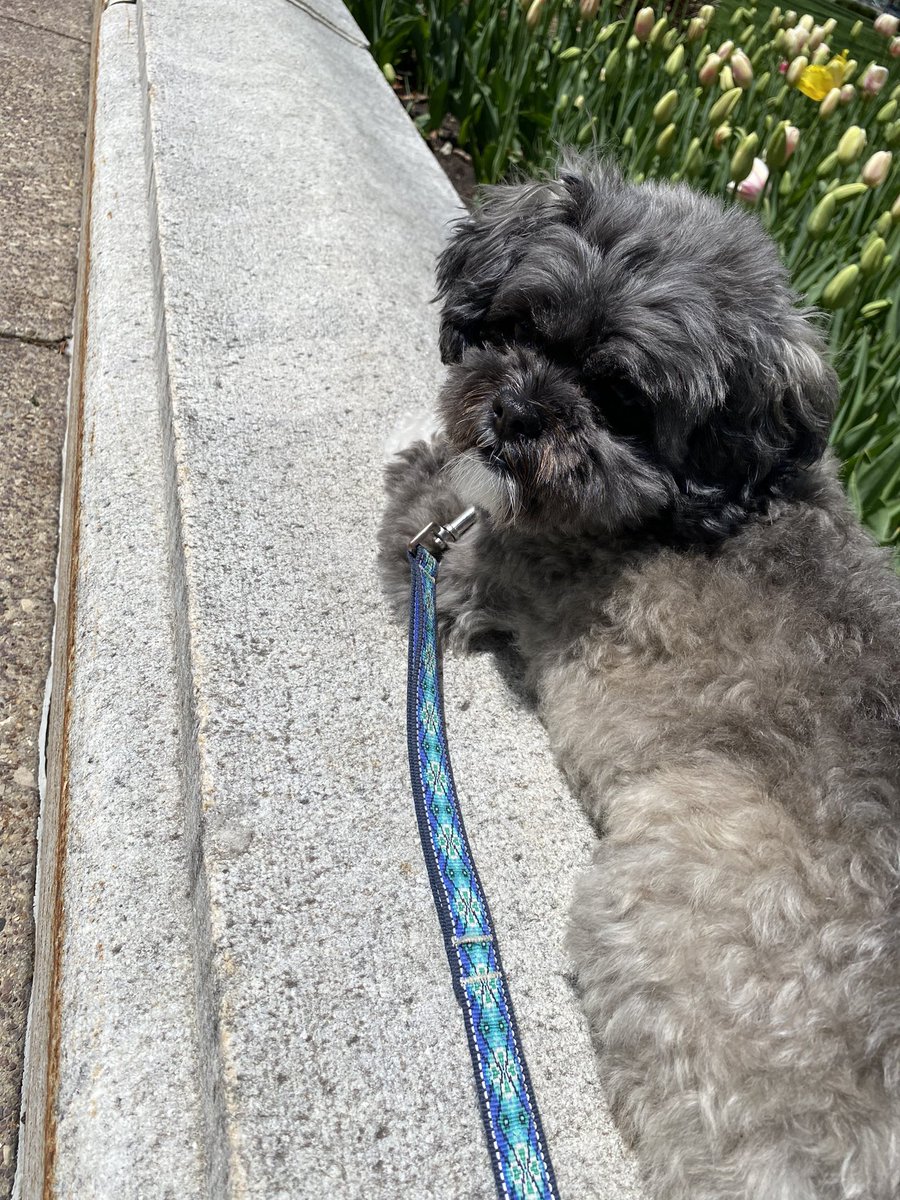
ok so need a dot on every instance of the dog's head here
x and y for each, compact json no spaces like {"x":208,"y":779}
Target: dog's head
{"x":625,"y":356}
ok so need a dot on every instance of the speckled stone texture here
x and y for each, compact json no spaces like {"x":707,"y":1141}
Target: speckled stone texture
{"x":44,"y":53}
{"x":44,"y":65}
{"x":254,"y":996}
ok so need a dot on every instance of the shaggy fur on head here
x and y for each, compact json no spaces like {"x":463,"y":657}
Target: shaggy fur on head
{"x":640,"y":410}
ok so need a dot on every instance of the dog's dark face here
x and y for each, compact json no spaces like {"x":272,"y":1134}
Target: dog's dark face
{"x":623,"y":357}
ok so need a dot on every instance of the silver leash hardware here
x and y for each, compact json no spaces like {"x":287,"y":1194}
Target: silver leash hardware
{"x":436,"y":538}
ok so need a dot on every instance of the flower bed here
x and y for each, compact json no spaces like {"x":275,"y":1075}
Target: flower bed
{"x":755,"y":104}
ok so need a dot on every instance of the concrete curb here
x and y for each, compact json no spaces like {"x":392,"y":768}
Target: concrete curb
{"x":247,"y":987}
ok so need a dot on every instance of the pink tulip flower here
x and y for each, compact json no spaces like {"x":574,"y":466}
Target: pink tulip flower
{"x":874,"y":79}
{"x":887,"y":25}
{"x":751,"y":188}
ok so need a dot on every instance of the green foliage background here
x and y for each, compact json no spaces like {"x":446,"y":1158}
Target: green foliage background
{"x":523,"y":81}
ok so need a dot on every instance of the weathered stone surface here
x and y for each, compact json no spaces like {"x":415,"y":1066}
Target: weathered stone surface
{"x":128,"y":1111}
{"x":32,"y":418}
{"x":43,"y":107}
{"x":296,"y":215}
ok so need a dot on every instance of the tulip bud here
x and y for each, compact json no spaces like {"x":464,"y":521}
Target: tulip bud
{"x":706,"y":13}
{"x":876,"y":169}
{"x":796,"y":69}
{"x":709,"y":72}
{"x":721,"y":136}
{"x":607,"y":32}
{"x":848,"y":93}
{"x":764,"y":81}
{"x":726,"y":79}
{"x":628,"y":137}
{"x":894,"y":47}
{"x":874,"y":309}
{"x":841,"y":289}
{"x":790,"y":18}
{"x":742,"y":159}
{"x":883,"y":224}
{"x":829,"y":104}
{"x":643,"y":24}
{"x":570,"y":53}
{"x":847,"y":191}
{"x":658,"y":32}
{"x":741,"y":69}
{"x":849,"y":70}
{"x":851,"y":145}
{"x":534,"y":13}
{"x":820,"y":56}
{"x":856,"y":29}
{"x":816,"y":38}
{"x":388,"y":72}
{"x":670,"y":40}
{"x":892,"y":135}
{"x":820,"y":218}
{"x":872,"y":257}
{"x":827,"y":165}
{"x":724,"y":106}
{"x":578,"y":103}
{"x":887,"y":112}
{"x":725,"y":50}
{"x":776,"y":149}
{"x":695,"y":30}
{"x":737,"y":17}
{"x":584,"y":133}
{"x":874,"y":79}
{"x":588,"y":9}
{"x":674,"y":62}
{"x":775,"y":17}
{"x":612,"y":68}
{"x":782,"y":42}
{"x":806,"y":22}
{"x":785,"y":186}
{"x":693,"y":160}
{"x":632,"y":45}
{"x":829,"y":27}
{"x":666,"y":141}
{"x":664,"y":107}
{"x":887,"y":25}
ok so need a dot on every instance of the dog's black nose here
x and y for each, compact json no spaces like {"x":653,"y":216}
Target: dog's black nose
{"x":515,"y":417}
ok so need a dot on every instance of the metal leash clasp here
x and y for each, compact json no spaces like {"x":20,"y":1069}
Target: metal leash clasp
{"x":435,"y":538}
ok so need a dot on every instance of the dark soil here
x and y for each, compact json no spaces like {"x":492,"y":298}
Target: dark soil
{"x":456,"y":163}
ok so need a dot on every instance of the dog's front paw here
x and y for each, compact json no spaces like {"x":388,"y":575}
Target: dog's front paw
{"x":417,"y":493}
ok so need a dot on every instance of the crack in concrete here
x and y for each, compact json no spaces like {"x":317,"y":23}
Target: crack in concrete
{"x":58,"y":344}
{"x":313,"y":12}
{"x":45,"y":29}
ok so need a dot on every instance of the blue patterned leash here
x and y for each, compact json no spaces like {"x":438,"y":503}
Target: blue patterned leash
{"x":519,"y":1156}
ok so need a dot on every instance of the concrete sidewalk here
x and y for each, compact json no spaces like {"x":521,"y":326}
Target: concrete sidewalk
{"x":242,"y":989}
{"x":44,"y":60}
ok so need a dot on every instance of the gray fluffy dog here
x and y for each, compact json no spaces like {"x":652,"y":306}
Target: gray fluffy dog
{"x":641,"y":411}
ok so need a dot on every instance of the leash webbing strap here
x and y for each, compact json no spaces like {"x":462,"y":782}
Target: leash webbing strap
{"x":519,"y":1155}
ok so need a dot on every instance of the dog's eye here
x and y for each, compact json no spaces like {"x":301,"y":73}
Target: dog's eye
{"x":619,"y":406}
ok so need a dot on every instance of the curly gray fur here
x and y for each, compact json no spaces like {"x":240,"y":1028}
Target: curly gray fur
{"x":715,"y":646}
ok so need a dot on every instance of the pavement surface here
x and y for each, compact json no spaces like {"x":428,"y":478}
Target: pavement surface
{"x":241,"y":975}
{"x":44,"y":59}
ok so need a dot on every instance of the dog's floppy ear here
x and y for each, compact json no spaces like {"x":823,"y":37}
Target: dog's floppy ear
{"x":482,"y":250}
{"x":780,"y":404}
